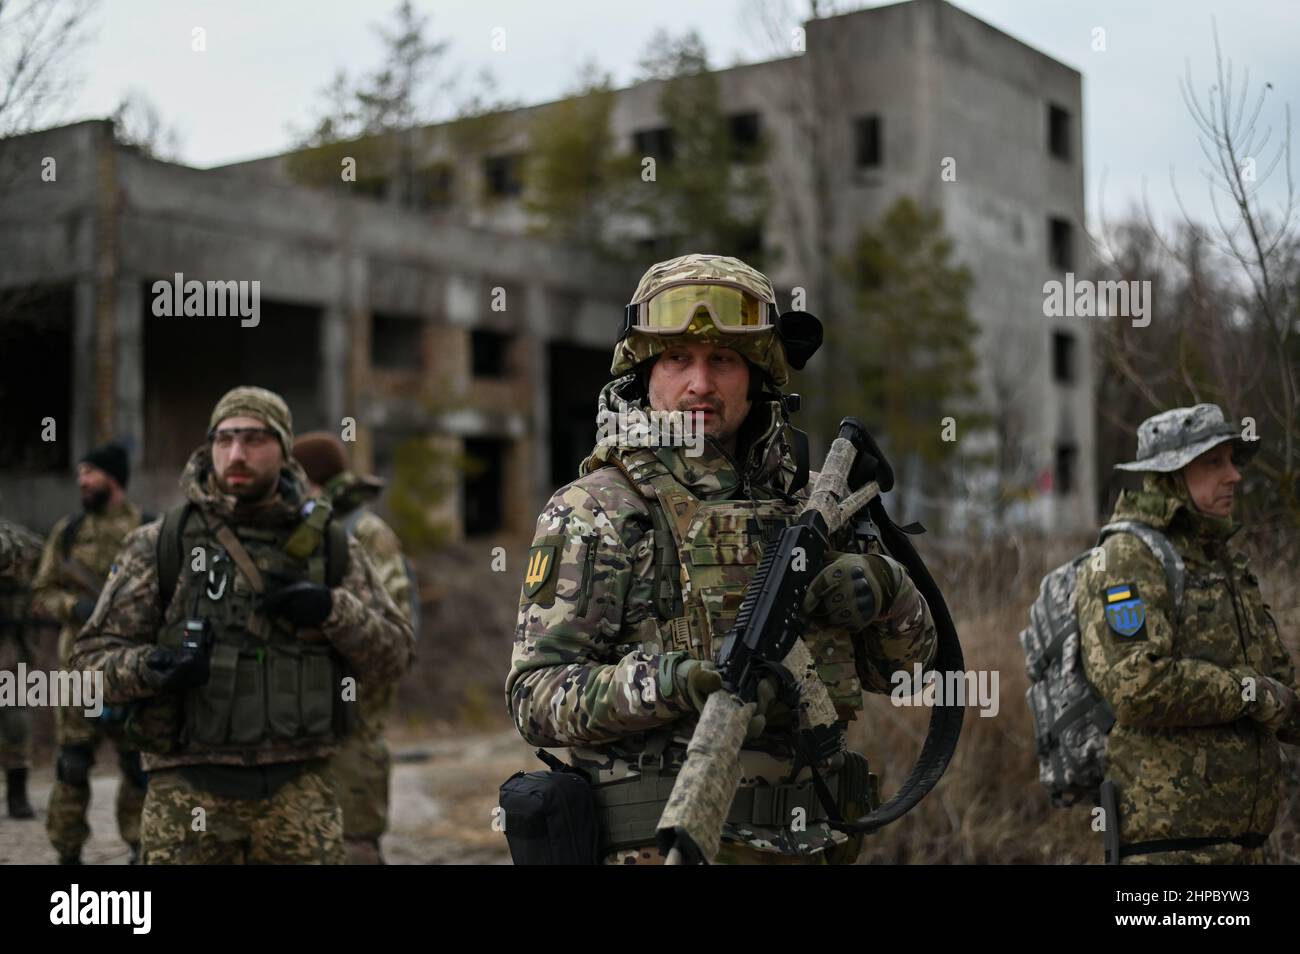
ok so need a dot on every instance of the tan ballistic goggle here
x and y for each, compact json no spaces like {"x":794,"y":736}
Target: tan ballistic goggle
{"x":671,"y":310}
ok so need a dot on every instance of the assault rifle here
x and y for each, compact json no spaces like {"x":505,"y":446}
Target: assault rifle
{"x":765,"y":641}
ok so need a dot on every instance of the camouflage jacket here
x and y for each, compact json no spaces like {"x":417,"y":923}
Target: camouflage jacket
{"x":385,"y":552}
{"x":20,"y":552}
{"x":64,"y":578}
{"x":364,"y":627}
{"x":592,"y":644}
{"x":1186,"y":758}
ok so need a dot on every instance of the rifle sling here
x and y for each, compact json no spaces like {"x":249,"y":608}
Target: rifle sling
{"x":945,"y":721}
{"x":79,"y":573}
{"x":257,"y":624}
{"x":226,"y":537}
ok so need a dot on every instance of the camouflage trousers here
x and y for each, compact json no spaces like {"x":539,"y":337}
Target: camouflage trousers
{"x":1214,"y":855}
{"x":361,"y":770}
{"x":298,"y":824}
{"x":15,"y":738}
{"x":66,"y":821}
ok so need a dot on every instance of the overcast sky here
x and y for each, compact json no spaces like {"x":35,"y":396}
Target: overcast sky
{"x":266,"y":61}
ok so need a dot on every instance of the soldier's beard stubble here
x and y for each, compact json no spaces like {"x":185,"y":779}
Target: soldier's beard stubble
{"x":719,"y":424}
{"x":258,"y":488}
{"x":94,"y":501}
{"x":714,"y":425}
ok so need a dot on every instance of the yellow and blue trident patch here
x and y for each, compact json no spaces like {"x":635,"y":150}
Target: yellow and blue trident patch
{"x":1125,"y":611}
{"x":540,"y":577}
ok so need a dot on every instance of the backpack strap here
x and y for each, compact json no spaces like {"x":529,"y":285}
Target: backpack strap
{"x":169,"y":551}
{"x":352,"y":519}
{"x":69,"y":534}
{"x":1158,"y":544}
{"x":336,"y":553}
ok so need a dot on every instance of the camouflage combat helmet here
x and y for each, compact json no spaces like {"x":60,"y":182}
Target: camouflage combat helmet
{"x":762,"y":348}
{"x":1171,"y":440}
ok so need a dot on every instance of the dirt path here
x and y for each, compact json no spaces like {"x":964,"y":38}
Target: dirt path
{"x":442,"y":806}
{"x":443,"y":792}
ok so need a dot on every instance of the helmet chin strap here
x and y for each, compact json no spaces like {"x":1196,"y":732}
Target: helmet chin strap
{"x":642,"y":372}
{"x":759,"y":382}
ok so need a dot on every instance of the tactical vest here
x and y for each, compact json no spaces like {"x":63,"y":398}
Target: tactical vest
{"x":706,"y":552}
{"x":270,"y":685}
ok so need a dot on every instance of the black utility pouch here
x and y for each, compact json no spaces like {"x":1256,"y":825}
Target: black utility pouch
{"x":550,"y":817}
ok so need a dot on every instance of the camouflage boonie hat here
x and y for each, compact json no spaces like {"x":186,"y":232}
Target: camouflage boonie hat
{"x":763,"y":349}
{"x":1171,"y":440}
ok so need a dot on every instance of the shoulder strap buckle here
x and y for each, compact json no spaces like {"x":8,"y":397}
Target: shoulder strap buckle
{"x":307,"y":537}
{"x":650,"y":761}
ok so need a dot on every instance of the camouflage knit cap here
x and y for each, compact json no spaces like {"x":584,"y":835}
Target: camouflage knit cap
{"x":267,"y":406}
{"x":763,"y":349}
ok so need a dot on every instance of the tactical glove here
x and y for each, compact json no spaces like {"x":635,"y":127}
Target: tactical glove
{"x":303,"y":604}
{"x":178,"y":670}
{"x":1273,"y":700}
{"x":846,"y":593}
{"x":767,"y":691}
{"x":696,"y":680}
{"x":83,"y":609}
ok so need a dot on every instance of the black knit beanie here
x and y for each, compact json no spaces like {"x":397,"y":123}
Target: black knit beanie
{"x":112,"y":459}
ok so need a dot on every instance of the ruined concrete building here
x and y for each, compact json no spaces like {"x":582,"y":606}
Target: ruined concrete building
{"x":448,"y":317}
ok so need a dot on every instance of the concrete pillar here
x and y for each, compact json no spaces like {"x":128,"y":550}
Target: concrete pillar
{"x":81,"y":429}
{"x":128,"y":359}
{"x":357,"y":294}
{"x":537,"y":373}
{"x":332,"y":393}
{"x":106,"y":276}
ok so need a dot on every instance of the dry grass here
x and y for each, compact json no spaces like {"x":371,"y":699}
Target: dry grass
{"x":989,"y":807}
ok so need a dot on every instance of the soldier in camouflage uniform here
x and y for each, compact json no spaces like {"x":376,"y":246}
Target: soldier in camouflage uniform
{"x":363,"y":764}
{"x":20,"y":551}
{"x":74,"y":565}
{"x":238,"y":626}
{"x":638,"y":566}
{"x":1202,"y":689}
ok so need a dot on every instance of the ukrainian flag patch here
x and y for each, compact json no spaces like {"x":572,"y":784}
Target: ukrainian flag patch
{"x":1126,"y":614}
